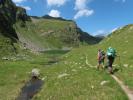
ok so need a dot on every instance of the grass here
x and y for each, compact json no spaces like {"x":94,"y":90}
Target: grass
{"x":44,"y":33}
{"x":6,"y":47}
{"x":14,"y":74}
{"x":79,"y":84}
{"x":68,"y":79}
{"x":72,"y":76}
{"x":121,"y":40}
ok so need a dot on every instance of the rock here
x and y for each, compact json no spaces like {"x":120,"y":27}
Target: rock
{"x":74,"y":70}
{"x":125,"y":65}
{"x":92,"y":87}
{"x":35,"y":72}
{"x":104,"y":82}
{"x":62,"y":75}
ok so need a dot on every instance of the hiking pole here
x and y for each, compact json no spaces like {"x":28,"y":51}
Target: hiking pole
{"x":120,"y":63}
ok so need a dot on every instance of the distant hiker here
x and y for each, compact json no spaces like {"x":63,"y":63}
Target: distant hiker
{"x":100,"y":58}
{"x":111,"y":54}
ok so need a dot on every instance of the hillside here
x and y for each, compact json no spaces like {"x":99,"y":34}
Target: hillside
{"x":67,"y":58}
{"x":9,"y":15}
{"x":44,"y":33}
{"x":75,"y":75}
{"x":121,"y":40}
{"x":40,"y":33}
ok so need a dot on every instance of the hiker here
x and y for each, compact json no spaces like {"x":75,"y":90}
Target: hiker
{"x":111,"y":54}
{"x":100,"y":58}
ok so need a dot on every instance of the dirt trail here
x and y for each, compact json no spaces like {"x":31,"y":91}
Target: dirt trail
{"x":124,"y":87}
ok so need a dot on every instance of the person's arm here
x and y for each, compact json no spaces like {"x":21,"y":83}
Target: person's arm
{"x":98,"y":56}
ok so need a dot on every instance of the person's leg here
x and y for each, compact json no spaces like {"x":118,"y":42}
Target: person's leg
{"x":111,"y":63}
{"x":110,"y":68}
{"x":99,"y":64}
{"x":103,"y":67}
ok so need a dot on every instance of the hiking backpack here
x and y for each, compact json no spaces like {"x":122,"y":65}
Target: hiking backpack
{"x":111,"y":52}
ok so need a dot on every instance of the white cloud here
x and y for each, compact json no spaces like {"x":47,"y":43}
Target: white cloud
{"x":25,"y":7}
{"x":84,"y":12}
{"x":54,"y":13}
{"x":100,"y":32}
{"x":18,"y":1}
{"x":113,"y":30}
{"x":80,"y":4}
{"x":82,"y":9}
{"x":56,"y":2}
{"x":123,"y":1}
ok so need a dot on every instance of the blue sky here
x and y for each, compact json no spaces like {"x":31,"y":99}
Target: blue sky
{"x":92,"y":16}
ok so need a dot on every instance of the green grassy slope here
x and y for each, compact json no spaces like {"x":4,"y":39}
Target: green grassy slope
{"x":67,"y":79}
{"x":9,"y":15}
{"x":39,"y":34}
{"x":48,"y":33}
{"x":76,"y":81}
{"x":6,"y":46}
{"x":121,"y":40}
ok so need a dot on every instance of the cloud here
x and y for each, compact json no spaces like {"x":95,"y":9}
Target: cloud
{"x":123,"y":1}
{"x":56,"y":2}
{"x":25,"y":7}
{"x":84,"y":12}
{"x":80,"y":4}
{"x":82,"y":9}
{"x":113,"y":30}
{"x":18,"y":1}
{"x":100,"y":32}
{"x":54,"y":13}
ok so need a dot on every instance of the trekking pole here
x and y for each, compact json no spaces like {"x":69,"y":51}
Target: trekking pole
{"x":120,"y":63}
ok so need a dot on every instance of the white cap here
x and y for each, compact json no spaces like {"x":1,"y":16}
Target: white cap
{"x":35,"y":72}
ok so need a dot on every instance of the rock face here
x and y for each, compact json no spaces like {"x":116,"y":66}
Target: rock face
{"x":9,"y":14}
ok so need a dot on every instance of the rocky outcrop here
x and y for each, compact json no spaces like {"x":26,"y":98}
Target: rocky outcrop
{"x":9,"y":14}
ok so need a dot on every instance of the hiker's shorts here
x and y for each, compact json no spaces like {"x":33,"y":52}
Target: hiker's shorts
{"x":110,"y":61}
{"x":101,"y":61}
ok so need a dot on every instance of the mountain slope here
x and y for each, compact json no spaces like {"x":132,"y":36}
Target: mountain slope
{"x":40,"y":33}
{"x":9,"y":15}
{"x":121,"y":40}
{"x":46,"y":32}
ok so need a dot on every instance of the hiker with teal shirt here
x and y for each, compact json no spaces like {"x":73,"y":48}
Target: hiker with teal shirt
{"x":100,"y":58}
{"x":111,"y":54}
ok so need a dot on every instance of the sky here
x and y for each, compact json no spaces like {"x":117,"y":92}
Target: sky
{"x":92,"y":16}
